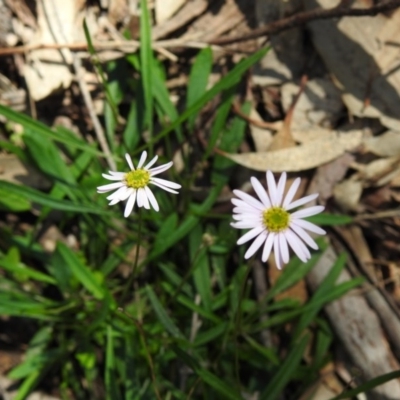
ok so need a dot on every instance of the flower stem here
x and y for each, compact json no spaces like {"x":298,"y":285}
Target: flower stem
{"x":131,"y":278}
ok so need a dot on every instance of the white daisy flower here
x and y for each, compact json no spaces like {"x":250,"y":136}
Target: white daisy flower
{"x":134,"y":185}
{"x":271,"y":223}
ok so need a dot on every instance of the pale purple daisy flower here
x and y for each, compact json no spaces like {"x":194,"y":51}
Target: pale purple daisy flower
{"x":270,"y":222}
{"x":134,"y":185}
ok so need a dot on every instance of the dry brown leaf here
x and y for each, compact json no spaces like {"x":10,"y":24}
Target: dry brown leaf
{"x":347,"y":194}
{"x":261,"y":137}
{"x":46,"y":70}
{"x":302,"y":157}
{"x":385,"y":145}
{"x":167,"y":8}
{"x":351,"y":51}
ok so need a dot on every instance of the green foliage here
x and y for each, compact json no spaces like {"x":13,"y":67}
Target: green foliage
{"x":189,"y":326}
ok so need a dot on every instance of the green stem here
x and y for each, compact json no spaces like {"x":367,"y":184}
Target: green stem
{"x":131,"y":278}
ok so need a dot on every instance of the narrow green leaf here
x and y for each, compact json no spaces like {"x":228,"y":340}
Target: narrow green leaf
{"x":286,"y":371}
{"x":44,"y":131}
{"x":198,"y":80}
{"x":365,"y":387}
{"x":81,"y":272}
{"x":162,"y":314}
{"x":146,"y":62}
{"x":36,"y":196}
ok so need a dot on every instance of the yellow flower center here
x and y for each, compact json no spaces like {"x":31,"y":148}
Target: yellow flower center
{"x":137,"y":179}
{"x":276,"y":219}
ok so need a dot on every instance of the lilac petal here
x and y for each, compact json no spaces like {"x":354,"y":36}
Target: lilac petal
{"x":160,"y":168}
{"x":283,"y":247}
{"x":277,"y":251}
{"x":302,"y":201}
{"x":129,"y":161}
{"x":142,"y":159}
{"x":111,"y":177}
{"x":309,"y":226}
{"x":255,"y":245}
{"x":280,"y":189}
{"x":250,"y":235}
{"x":291,"y":193}
{"x":268,"y":246}
{"x":151,"y":163}
{"x":166,"y":183}
{"x":272,"y":189}
{"x":109,"y":187}
{"x":297,"y":246}
{"x":151,"y":198}
{"x":307,"y":212}
{"x":261,"y":193}
{"x":304,"y":236}
{"x":129,"y":205}
{"x":249,"y":199}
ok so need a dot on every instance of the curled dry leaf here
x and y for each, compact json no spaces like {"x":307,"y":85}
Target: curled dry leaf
{"x":347,"y":194}
{"x":305,"y":156}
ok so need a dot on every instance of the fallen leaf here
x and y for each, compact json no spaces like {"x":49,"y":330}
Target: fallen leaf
{"x":347,"y":194}
{"x":305,"y":156}
{"x":385,"y":145}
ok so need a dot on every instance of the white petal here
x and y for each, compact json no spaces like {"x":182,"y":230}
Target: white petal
{"x":129,"y":161}
{"x":128,"y":192}
{"x":109,"y":187}
{"x":255,"y":245}
{"x":304,"y":236}
{"x":166,"y":183}
{"x":151,"y":163}
{"x":246,"y":210}
{"x":307,"y":212}
{"x":165,"y":188}
{"x":268,"y":246}
{"x":145,"y":199}
{"x":160,"y":168}
{"x":291,"y":192}
{"x":247,"y":217}
{"x":151,"y":198}
{"x":142,"y":159}
{"x":250,"y":235}
{"x":261,"y":193}
{"x":241,"y":203}
{"x":118,"y":194}
{"x":309,"y":226}
{"x":129,"y":205}
{"x":297,"y":245}
{"x":280,"y":189}
{"x":111,"y":177}
{"x":244,"y":225}
{"x":114,"y":201}
{"x":277,"y":251}
{"x":116,"y":173}
{"x":283,"y":247}
{"x":249,"y":199}
{"x":272,"y":190}
{"x":140,"y":201}
{"x":302,"y":201}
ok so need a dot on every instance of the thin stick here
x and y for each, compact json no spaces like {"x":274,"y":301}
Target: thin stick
{"x":307,"y":16}
{"x":89,"y":104}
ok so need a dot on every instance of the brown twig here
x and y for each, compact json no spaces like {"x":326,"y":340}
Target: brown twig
{"x":307,"y":16}
{"x":274,"y":126}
